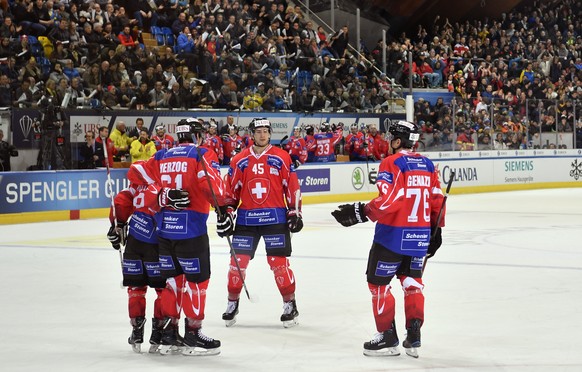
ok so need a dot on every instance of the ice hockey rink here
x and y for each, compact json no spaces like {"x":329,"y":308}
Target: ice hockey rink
{"x":502,"y":294}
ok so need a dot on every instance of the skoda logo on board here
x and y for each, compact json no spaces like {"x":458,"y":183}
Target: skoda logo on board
{"x":358,"y":178}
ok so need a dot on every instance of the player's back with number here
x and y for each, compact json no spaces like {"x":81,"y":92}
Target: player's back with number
{"x":181,"y":168}
{"x":410,"y":197}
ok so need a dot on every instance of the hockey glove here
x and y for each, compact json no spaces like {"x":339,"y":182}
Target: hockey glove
{"x":350,"y":214}
{"x":296,"y":163}
{"x":294,"y":220}
{"x":174,"y":198}
{"x":225,"y":221}
{"x":436,"y":240}
{"x":117,"y":235}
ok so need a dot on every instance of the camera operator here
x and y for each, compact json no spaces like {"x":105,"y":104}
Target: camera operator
{"x":92,"y":155}
{"x":52,"y":154}
{"x":6,"y":151}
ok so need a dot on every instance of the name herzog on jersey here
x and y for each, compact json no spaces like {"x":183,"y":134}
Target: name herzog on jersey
{"x":181,"y":168}
{"x":410,"y":198}
{"x":264,"y":184}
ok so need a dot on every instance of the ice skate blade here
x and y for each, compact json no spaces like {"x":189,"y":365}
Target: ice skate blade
{"x":290,"y":323}
{"x":230,"y":323}
{"x":199,"y":351}
{"x":153,"y":349}
{"x":388,"y":351}
{"x":136,"y":348}
{"x":411,"y":352}
{"x":169,"y":349}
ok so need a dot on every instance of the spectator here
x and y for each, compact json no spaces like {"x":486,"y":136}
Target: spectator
{"x":120,"y":140}
{"x":91,"y":152}
{"x":142,"y":148}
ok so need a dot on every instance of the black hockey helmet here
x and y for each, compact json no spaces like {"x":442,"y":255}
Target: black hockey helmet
{"x":325,"y":127}
{"x":189,"y":129}
{"x":406,"y":131}
{"x":309,"y":130}
{"x":260,"y":123}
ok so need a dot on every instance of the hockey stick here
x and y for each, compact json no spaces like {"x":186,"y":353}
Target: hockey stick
{"x":232,"y":252}
{"x":283,"y":140}
{"x":110,"y":190}
{"x":440,"y":215}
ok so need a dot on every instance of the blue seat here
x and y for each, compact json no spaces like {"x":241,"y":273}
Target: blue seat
{"x":45,"y":65}
{"x":169,"y":37}
{"x":158,"y":34}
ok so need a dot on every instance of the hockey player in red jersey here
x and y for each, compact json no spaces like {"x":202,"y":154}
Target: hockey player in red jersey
{"x":183,"y":239}
{"x":213,"y":140}
{"x":406,"y":211}
{"x":297,"y":148}
{"x":325,"y":142}
{"x":135,"y":208}
{"x":161,"y":139}
{"x":355,"y":144}
{"x":232,"y":144}
{"x":264,"y":181}
{"x":374,"y":139}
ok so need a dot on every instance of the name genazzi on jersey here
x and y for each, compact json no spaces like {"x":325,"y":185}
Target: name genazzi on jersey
{"x":419,"y":180}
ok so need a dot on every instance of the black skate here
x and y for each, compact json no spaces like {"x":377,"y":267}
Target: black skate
{"x":229,"y":315}
{"x":412,"y":341}
{"x":383,"y":344}
{"x":156,"y":337}
{"x":136,"y":338}
{"x":197,"y":343}
{"x":171,"y":342}
{"x":290,"y":314}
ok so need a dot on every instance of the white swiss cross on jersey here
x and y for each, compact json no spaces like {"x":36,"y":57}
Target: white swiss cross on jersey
{"x":259,"y":189}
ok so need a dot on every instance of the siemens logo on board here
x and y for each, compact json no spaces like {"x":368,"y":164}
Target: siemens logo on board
{"x":519,"y":165}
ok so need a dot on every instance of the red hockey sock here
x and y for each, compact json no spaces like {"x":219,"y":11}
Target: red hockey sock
{"x":195,"y":301}
{"x":172,"y":296}
{"x":382,"y":306}
{"x":283,"y":276}
{"x":158,"y":314}
{"x":413,"y":298}
{"x":235,"y":284}
{"x":136,"y":301}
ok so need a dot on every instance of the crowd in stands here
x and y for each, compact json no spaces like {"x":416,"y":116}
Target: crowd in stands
{"x":522,"y":69}
{"x":513,"y":78}
{"x":255,"y":55}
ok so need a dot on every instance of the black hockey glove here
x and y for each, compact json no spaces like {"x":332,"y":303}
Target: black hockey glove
{"x":174,"y":198}
{"x":436,"y":240}
{"x":117,"y":235}
{"x":350,"y":214}
{"x":294,"y":220}
{"x":225,"y":221}
{"x":296,"y":163}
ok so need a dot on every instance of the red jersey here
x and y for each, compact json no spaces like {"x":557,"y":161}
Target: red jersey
{"x":408,"y":204}
{"x":232,"y":145}
{"x":325,"y":145}
{"x":355,"y":144}
{"x":265,"y":185}
{"x":181,"y":168}
{"x":140,"y":202}
{"x":374,"y":144}
{"x":311,"y":146}
{"x":165,"y":142}
{"x":215,"y":144}
{"x":297,"y":148}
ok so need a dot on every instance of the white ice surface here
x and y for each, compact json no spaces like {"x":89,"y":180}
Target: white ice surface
{"x":502,"y":294}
